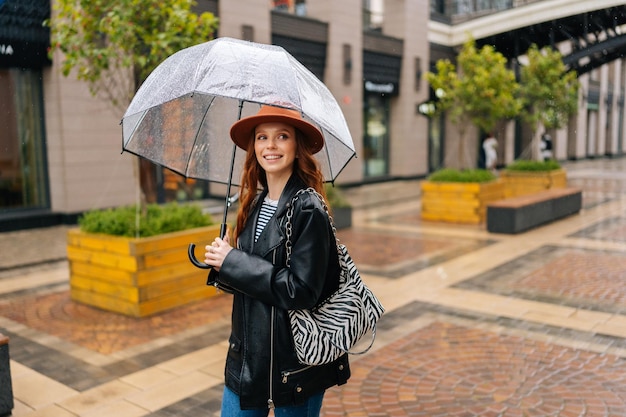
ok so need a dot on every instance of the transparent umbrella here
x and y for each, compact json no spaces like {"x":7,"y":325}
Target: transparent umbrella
{"x":181,"y":115}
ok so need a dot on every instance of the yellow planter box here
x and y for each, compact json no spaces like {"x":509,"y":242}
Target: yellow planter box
{"x":529,"y":182}
{"x":138,"y":277}
{"x":457,"y":202}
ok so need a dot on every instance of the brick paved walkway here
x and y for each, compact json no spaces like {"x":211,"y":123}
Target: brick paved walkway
{"x":477,"y":324}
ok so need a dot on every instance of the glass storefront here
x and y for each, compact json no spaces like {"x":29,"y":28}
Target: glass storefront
{"x":161,"y":185}
{"x":435,"y":142}
{"x":23,"y":180}
{"x":376,"y":136}
{"x":175,"y":187}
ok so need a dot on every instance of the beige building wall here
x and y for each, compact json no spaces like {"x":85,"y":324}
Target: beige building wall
{"x":84,"y":142}
{"x":234,"y":15}
{"x":408,"y":20}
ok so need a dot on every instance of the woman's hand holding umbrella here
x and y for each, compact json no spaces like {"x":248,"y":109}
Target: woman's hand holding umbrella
{"x":216,"y":252}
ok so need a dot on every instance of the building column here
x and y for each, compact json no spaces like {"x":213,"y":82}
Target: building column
{"x":344,"y":67}
{"x":616,"y":81}
{"x":508,"y":143}
{"x":602,"y":116}
{"x":579,"y":138}
{"x":408,"y":20}
{"x":621,"y":92}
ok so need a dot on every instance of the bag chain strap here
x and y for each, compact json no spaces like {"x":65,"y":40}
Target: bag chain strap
{"x":289,"y":227}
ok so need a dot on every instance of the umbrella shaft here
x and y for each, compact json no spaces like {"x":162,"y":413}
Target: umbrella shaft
{"x":230,"y":179}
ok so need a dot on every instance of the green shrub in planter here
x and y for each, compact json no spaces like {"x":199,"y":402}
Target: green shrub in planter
{"x":340,"y":208}
{"x":335,"y":197}
{"x":154,"y":220}
{"x":528,"y":165}
{"x":465,"y":175}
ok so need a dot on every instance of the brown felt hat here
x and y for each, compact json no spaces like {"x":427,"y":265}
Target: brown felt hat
{"x":242,"y":131}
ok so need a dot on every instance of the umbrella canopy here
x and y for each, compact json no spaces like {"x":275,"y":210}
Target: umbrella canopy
{"x":181,"y":116}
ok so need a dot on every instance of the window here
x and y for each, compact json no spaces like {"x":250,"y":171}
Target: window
{"x":297,"y":7}
{"x":23,"y":182}
{"x":376,"y":138}
{"x":372,"y":14}
{"x":437,"y":6}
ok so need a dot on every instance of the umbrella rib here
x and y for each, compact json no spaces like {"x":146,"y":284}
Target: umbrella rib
{"x":330,"y":165}
{"x":124,"y":142}
{"x":346,"y":164}
{"x":195,"y":139}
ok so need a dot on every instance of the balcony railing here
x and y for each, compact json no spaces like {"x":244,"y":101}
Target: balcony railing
{"x":457,"y":11}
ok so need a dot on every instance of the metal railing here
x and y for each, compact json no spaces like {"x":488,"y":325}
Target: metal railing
{"x":457,"y":11}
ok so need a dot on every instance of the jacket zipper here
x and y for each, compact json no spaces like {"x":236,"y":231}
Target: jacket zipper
{"x":270,"y":401}
{"x":287,"y":374}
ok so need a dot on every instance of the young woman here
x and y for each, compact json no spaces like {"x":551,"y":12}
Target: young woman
{"x":262,"y":370}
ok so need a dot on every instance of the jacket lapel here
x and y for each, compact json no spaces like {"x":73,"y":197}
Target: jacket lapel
{"x":273,"y":235}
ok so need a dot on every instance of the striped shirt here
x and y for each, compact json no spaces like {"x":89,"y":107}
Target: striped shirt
{"x":268,"y":208}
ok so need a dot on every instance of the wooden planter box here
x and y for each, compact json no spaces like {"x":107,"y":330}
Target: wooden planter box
{"x":457,"y":202}
{"x":519,"y":183}
{"x":138,"y":277}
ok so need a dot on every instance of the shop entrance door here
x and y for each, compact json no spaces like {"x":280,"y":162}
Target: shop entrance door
{"x":376,"y":136}
{"x":435,"y":142}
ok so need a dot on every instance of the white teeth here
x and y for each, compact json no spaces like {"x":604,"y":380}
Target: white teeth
{"x":272,"y":157}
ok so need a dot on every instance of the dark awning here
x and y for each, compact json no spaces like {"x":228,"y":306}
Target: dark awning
{"x":381,"y":73}
{"x":24,"y":41}
{"x":310,"y":54}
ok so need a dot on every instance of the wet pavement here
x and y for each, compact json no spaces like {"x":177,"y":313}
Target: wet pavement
{"x":477,"y":324}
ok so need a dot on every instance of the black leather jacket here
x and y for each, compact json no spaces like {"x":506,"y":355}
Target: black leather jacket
{"x":261,"y":366}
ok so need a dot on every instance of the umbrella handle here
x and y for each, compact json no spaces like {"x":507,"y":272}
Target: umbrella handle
{"x":194,"y":260}
{"x":192,"y":255}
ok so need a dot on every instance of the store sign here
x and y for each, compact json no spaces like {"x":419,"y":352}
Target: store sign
{"x":21,"y":54}
{"x":24,"y":39}
{"x":381,"y":88}
{"x":6,"y":49}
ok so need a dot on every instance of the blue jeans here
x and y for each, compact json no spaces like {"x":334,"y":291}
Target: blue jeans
{"x":311,"y":408}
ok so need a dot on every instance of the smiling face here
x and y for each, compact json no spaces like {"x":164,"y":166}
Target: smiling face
{"x":275,"y":148}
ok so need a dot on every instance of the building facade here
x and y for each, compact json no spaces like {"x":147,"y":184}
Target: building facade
{"x":589,"y":35}
{"x":60,"y":147}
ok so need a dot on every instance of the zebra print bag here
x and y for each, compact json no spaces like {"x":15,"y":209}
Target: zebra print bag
{"x":332,"y":328}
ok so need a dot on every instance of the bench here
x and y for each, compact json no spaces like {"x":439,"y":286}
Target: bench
{"x":518,"y":214}
{"x":6,"y":390}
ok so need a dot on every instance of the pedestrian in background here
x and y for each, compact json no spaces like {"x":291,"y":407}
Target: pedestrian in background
{"x":262,"y":369}
{"x":546,"y":146}
{"x":490,"y":146}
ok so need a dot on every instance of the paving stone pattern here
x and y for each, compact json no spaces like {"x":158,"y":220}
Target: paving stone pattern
{"x":477,"y":324}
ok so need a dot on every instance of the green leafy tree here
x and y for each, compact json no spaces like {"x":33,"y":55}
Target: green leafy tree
{"x":114,"y":45}
{"x":548,"y":91}
{"x":482,"y":91}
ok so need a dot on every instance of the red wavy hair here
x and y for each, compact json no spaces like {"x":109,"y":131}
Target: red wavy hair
{"x":305,"y":167}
